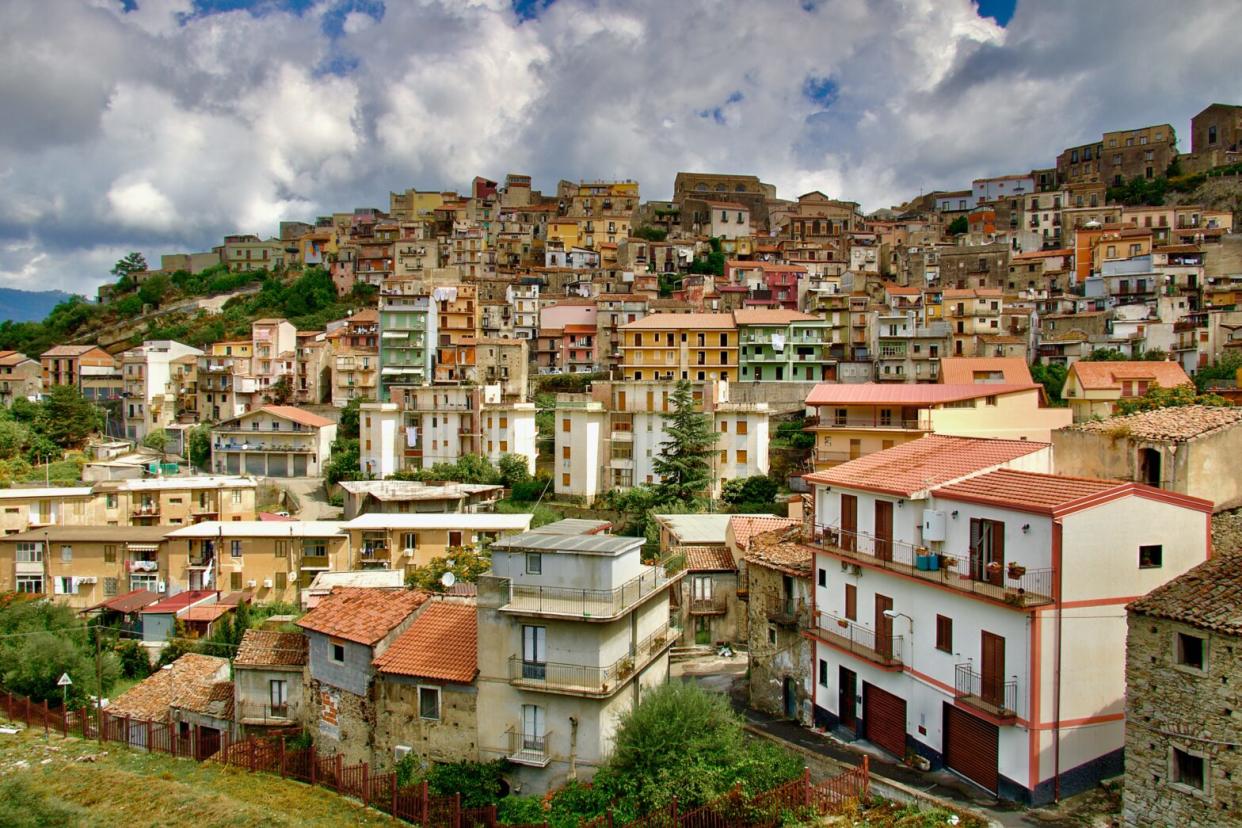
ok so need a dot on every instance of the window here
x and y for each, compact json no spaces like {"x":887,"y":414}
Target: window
{"x":30,"y":583}
{"x":454,"y":538}
{"x":1151,"y":556}
{"x":742,"y":427}
{"x":565,"y":426}
{"x":338,"y":653}
{"x":534,"y":563}
{"x":534,"y":652}
{"x":565,"y":480}
{"x":944,"y":633}
{"x":1187,"y":769}
{"x":409,"y":540}
{"x":281,"y":580}
{"x":30,"y":553}
{"x":109,"y":586}
{"x":1212,"y":134}
{"x":66,"y":553}
{"x":823,"y":577}
{"x":282,"y":548}
{"x":237,"y":496}
{"x":278,"y":696}
{"x":235,"y":548}
{"x":823,"y":673}
{"x":109,"y":553}
{"x":1191,"y":651}
{"x":772,"y":636}
{"x":110,"y":501}
{"x":724,"y":426}
{"x":741,"y":456}
{"x":429,"y":702}
{"x":235,"y":581}
{"x":851,"y":602}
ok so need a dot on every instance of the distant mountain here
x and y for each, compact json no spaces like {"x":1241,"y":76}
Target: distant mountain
{"x":28,"y":305}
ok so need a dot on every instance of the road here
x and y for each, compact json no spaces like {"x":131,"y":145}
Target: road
{"x":311,"y":496}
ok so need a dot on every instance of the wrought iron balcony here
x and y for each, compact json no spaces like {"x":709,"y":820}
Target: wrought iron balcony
{"x":992,"y":695}
{"x":883,"y":648}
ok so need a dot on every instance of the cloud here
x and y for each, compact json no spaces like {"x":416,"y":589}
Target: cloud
{"x":161,"y":125}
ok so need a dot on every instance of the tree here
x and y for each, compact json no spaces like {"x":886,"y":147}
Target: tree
{"x":656,"y":234}
{"x":684,"y":461}
{"x":1225,"y":368}
{"x":159,"y":440}
{"x":198,"y":448}
{"x":756,"y":491}
{"x":68,"y":418}
{"x":281,"y":391}
{"x":514,"y":470}
{"x":14,"y":437}
{"x":1158,"y":397}
{"x":1052,"y":377}
{"x":123,"y":271}
{"x":466,"y":563}
{"x":958,"y":226}
{"x":40,"y":641}
{"x":153,"y":290}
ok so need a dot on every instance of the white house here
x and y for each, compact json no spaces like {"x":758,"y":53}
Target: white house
{"x":972,"y":611}
{"x":272,"y":441}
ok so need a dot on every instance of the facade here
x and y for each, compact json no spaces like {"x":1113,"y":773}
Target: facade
{"x":503,"y":362}
{"x":782,"y":345}
{"x":404,"y":541}
{"x":407,"y":344}
{"x":1182,"y":659}
{"x":36,"y":508}
{"x":273,"y":354}
{"x":225,"y":386}
{"x":1093,"y":389}
{"x":154,"y":383}
{"x":355,"y":370}
{"x":88,"y":368}
{"x":20,"y":377}
{"x":267,"y":680}
{"x":779,"y":606}
{"x":576,"y":626}
{"x":568,"y":338}
{"x":272,"y":441}
{"x":676,"y":346}
{"x":403,"y":496}
{"x":312,"y":378}
{"x":980,"y":623}
{"x":172,"y":501}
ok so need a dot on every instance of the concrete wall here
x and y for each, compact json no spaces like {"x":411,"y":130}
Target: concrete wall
{"x":730,"y":626}
{"x":252,"y":696}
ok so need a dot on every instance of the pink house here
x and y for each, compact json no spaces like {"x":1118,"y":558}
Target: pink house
{"x":568,"y":338}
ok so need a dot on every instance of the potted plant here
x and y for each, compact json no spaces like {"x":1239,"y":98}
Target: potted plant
{"x":1016,"y":571}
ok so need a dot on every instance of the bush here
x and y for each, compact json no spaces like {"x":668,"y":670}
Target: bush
{"x":134,"y":661}
{"x":758,"y":488}
{"x":479,"y":783}
{"x":521,"y":810}
{"x":530,"y":491}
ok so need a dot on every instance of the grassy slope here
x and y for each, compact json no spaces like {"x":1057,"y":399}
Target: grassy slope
{"x":133,"y":789}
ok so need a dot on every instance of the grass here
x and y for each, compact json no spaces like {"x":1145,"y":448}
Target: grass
{"x":57,"y":781}
{"x":58,"y":472}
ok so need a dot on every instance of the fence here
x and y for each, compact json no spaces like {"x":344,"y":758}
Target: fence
{"x":414,"y":803}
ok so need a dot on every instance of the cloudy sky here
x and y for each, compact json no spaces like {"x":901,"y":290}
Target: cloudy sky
{"x":160,"y":125}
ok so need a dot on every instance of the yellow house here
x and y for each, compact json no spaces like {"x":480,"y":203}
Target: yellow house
{"x":22,"y":509}
{"x":174,"y":501}
{"x":83,"y":566}
{"x":565,"y":231}
{"x":854,"y":420}
{"x":404,"y":541}
{"x":677,"y":346}
{"x":1093,"y":389}
{"x":270,"y":559}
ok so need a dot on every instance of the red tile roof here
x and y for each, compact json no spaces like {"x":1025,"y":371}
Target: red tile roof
{"x":189,"y":679}
{"x":782,"y":550}
{"x":873,"y":393}
{"x":673,"y":321}
{"x":744,"y":527}
{"x":129,"y":602}
{"x":707,"y":558}
{"x":1096,"y":376}
{"x":297,"y":415}
{"x":930,"y":461}
{"x":362,"y":615}
{"x":441,"y":644}
{"x":178,"y":602}
{"x":270,"y":648}
{"x":206,"y":613}
{"x":966,"y":370}
{"x":1208,"y":596}
{"x":772,"y":317}
{"x":1052,"y":494}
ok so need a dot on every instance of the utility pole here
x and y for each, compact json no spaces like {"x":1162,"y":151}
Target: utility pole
{"x":98,"y":690}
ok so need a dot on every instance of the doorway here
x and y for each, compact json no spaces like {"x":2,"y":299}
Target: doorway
{"x":789,"y":698}
{"x":847,"y":698}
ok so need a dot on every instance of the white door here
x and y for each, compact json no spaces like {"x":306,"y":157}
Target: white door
{"x":534,"y":652}
{"x":532,"y":727}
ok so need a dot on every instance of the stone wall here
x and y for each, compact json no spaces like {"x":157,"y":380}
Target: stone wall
{"x":1170,"y":706}
{"x":1226,"y":531}
{"x":451,"y":738}
{"x":786,"y":657}
{"x":339,"y":721}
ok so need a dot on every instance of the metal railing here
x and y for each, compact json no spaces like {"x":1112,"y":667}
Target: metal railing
{"x":715,"y":604}
{"x":1013,"y":584}
{"x":995,"y":695}
{"x":600,"y":604}
{"x":882,"y":648}
{"x":784,"y":609}
{"x":585,"y":679}
{"x":529,"y":748}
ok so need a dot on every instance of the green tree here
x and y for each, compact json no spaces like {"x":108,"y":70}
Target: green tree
{"x":40,"y":641}
{"x":348,"y":425}
{"x":1158,"y":397}
{"x":656,"y":234}
{"x":465,"y":562}
{"x":198,"y":449}
{"x":757,"y":490}
{"x":1225,"y":368}
{"x":123,"y":271}
{"x":153,"y":290}
{"x":792,"y":433}
{"x":959,"y":226}
{"x":281,"y":391}
{"x":68,"y":418}
{"x":14,"y":437}
{"x":684,"y":461}
{"x":159,"y":440}
{"x":1051,"y":376}
{"x":514,"y":470}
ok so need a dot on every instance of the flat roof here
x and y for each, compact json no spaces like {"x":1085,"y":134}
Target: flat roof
{"x":440,"y":520}
{"x":574,"y":526}
{"x":698,"y":530}
{"x":121,"y":534}
{"x":260,"y":529}
{"x":195,"y":482}
{"x":47,"y":491}
{"x":577,"y":544}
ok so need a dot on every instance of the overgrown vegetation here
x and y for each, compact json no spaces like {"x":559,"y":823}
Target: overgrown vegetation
{"x":41,"y":432}
{"x":959,"y":226}
{"x":1223,"y":371}
{"x":466,"y":563}
{"x":40,"y":641}
{"x":1158,"y":397}
{"x":1115,"y":355}
{"x":1052,"y":377}
{"x":713,"y":263}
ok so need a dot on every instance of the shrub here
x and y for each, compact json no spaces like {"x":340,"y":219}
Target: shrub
{"x":134,"y":661}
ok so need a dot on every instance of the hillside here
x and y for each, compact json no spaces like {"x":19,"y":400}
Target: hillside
{"x":75,"y":783}
{"x":28,"y":305}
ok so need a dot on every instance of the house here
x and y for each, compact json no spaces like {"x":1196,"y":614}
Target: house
{"x":346,"y":632}
{"x":154,"y":385}
{"x":571,"y":628}
{"x":1093,"y":389}
{"x":677,"y":346}
{"x":82,"y":566}
{"x":403,"y":541}
{"x":21,"y":377}
{"x":779,"y":606}
{"x":402,"y":496}
{"x":783,"y":345}
{"x":271,"y":559}
{"x":124,"y":612}
{"x":1190,"y":450}
{"x":426,"y":696}
{"x":88,"y":368}
{"x":38,"y":507}
{"x":190,"y":696}
{"x":272,"y":441}
{"x":355,"y":368}
{"x":407,"y":353}
{"x":973,"y":614}
{"x":1183,"y":657}
{"x":267,"y":679}
{"x":159,"y":620}
{"x":324,"y":582}
{"x":856,"y":420}
{"x":173,"y":501}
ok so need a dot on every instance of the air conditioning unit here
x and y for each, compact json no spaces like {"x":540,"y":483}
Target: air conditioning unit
{"x":399,"y":752}
{"x":161,"y":586}
{"x":90,"y":579}
{"x":267,"y":583}
{"x":251,"y":583}
{"x":408,"y":552}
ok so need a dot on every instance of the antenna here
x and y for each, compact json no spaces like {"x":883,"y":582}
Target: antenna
{"x":447,"y":580}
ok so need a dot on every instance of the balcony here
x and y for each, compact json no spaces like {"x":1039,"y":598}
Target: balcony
{"x":147,"y":510}
{"x":995,"y":696}
{"x":1016,"y":585}
{"x":529,"y":749}
{"x":882,"y":649}
{"x":591,"y":604}
{"x":876,"y":421}
{"x":716,"y":604}
{"x":784,"y":609}
{"x":588,"y":680}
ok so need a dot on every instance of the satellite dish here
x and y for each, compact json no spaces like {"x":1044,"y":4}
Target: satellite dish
{"x":447,"y":580}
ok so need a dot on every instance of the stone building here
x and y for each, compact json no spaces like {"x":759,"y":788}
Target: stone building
{"x":1183,"y":658}
{"x":267,"y":679}
{"x":778,"y":590}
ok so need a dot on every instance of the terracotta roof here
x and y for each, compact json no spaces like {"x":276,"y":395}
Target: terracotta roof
{"x":972,"y":370}
{"x":215,"y":699}
{"x":129,"y":602}
{"x":69,"y":350}
{"x":362,"y":615}
{"x":1043,"y":254}
{"x":189,"y":676}
{"x":772,"y":317}
{"x":1050,"y":494}
{"x":918,"y":465}
{"x":272,"y":516}
{"x":270,"y":648}
{"x":297,"y":415}
{"x":765,"y":266}
{"x":12,"y":357}
{"x":206,"y":613}
{"x":1167,"y":424}
{"x":662,"y":321}
{"x":707,"y":558}
{"x":782,"y":550}
{"x":902,"y":290}
{"x":441,"y":644}
{"x":1094,"y":376}
{"x":177,"y":603}
{"x":366,"y":315}
{"x":873,"y":393}
{"x":968,"y":293}
{"x":746,"y":527}
{"x":1208,"y":596}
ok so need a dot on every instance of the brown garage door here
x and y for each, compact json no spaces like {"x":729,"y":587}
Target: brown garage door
{"x":971,"y":746}
{"x":884,"y":720}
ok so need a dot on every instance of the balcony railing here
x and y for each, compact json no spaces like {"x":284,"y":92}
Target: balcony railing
{"x":147,"y":510}
{"x":883,"y":649}
{"x":592,"y":604}
{"x":588,"y":680}
{"x":1013,"y":584}
{"x":716,"y":604}
{"x":529,"y":748}
{"x":784,"y":609}
{"x":877,"y":421}
{"x":995,"y":695}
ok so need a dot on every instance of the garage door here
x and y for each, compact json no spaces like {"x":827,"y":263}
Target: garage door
{"x":884,"y":720}
{"x":971,"y":747}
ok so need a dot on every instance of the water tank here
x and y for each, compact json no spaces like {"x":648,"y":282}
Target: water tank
{"x":933,"y":525}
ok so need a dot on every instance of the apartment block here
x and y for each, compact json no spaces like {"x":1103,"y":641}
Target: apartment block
{"x":355,"y":368}
{"x":407,"y":343}
{"x":88,"y":368}
{"x":225,"y":386}
{"x":272,"y":441}
{"x":676,"y":346}
{"x":384,"y":540}
{"x":782,"y":345}
{"x":156,"y":384}
{"x":273,"y":560}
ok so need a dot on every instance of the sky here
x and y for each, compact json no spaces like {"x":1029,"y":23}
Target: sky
{"x":162,"y":125}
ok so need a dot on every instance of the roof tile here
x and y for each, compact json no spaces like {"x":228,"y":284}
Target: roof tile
{"x":362,"y":615}
{"x":271,"y":648}
{"x":1208,"y":596}
{"x":441,"y":644}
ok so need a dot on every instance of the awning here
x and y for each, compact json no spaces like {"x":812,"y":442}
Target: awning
{"x":394,"y":335}
{"x":143,"y":547}
{"x":314,"y":568}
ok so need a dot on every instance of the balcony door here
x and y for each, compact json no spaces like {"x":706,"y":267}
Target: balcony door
{"x":883,"y":530}
{"x":987,"y":551}
{"x":883,"y":626}
{"x":992,"y":689}
{"x":532,"y":727}
{"x":534,"y":652}
{"x":849,"y":522}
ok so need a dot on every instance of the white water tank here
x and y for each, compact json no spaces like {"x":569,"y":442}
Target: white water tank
{"x":933,"y":525}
